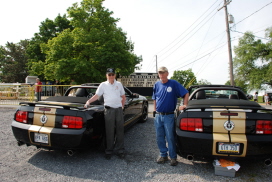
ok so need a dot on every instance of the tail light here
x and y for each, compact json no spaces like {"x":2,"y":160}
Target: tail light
{"x":72,"y":122}
{"x":264,"y":127}
{"x":191,"y":124}
{"x":21,"y":116}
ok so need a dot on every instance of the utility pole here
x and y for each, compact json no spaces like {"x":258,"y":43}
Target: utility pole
{"x":226,"y":2}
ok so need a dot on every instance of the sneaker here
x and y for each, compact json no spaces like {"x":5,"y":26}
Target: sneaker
{"x":162,"y":160}
{"x":108,"y":156}
{"x":173,"y":162}
{"x":121,"y":155}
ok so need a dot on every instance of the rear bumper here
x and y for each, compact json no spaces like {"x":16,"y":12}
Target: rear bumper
{"x":202,"y":144}
{"x":58,"y":138}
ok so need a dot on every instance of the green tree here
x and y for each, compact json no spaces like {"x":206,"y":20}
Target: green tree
{"x":85,"y":52}
{"x":13,"y":61}
{"x":185,"y":78}
{"x":2,"y":61}
{"x":203,"y":82}
{"x":252,"y":62}
{"x":240,"y":83}
{"x":47,"y":30}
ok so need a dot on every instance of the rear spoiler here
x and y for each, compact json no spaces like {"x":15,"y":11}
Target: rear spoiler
{"x":55,"y":104}
{"x":204,"y":107}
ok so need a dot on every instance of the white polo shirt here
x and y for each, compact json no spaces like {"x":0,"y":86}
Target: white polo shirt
{"x":112,"y":93}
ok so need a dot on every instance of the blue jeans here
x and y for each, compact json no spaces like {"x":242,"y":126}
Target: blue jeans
{"x":165,"y":131}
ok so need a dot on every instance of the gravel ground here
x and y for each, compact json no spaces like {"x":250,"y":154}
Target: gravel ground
{"x":31,"y":164}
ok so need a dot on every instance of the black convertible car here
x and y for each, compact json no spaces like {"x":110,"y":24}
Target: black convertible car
{"x":220,"y":122}
{"x":62,"y":122}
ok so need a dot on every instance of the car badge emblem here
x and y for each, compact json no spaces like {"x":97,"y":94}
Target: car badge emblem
{"x":43,"y":119}
{"x":229,"y":125}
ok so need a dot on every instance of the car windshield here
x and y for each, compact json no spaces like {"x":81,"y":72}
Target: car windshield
{"x":214,"y":94}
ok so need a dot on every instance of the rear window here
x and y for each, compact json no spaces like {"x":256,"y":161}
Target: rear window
{"x":214,"y":94}
{"x":217,"y":94}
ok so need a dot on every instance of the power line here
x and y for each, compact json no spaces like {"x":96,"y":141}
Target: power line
{"x":203,"y":40}
{"x":193,"y":52}
{"x":195,"y":32}
{"x":254,"y":35}
{"x":232,"y":30}
{"x":251,"y":14}
{"x":186,"y":39}
{"x":184,"y":32}
{"x":205,"y":55}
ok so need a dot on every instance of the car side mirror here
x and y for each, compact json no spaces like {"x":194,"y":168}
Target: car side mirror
{"x":134,"y":95}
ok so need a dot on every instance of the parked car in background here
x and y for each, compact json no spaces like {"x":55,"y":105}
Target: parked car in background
{"x":220,"y":122}
{"x":62,"y":122}
{"x":249,"y":96}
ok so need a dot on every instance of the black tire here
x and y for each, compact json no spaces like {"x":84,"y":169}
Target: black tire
{"x":144,"y":115}
{"x":102,"y":144}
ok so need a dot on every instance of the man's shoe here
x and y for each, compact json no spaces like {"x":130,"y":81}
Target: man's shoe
{"x":108,"y":156}
{"x":121,"y":155}
{"x":173,"y":162}
{"x":162,"y":160}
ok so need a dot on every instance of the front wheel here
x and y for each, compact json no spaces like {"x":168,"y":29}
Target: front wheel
{"x":144,"y":115}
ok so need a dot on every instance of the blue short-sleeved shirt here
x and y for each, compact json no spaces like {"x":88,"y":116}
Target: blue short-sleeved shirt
{"x":166,"y":95}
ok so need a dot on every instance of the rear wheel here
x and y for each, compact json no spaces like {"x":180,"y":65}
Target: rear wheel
{"x":144,"y":115}
{"x":103,"y":143}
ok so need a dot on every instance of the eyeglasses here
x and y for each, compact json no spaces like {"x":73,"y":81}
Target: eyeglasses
{"x":160,"y":72}
{"x":110,"y":74}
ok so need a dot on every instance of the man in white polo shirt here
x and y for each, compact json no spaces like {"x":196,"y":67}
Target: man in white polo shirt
{"x":114,"y":100}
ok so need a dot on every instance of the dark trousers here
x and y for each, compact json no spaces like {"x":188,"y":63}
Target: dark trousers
{"x":38,"y":95}
{"x":114,"y":123}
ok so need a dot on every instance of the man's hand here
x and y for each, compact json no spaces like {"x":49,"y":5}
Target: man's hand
{"x":86,"y":105}
{"x":182,"y":107}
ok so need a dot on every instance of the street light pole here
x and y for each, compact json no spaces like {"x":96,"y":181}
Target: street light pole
{"x":229,"y":43}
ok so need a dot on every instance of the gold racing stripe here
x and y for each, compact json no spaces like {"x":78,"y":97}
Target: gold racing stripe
{"x":237,"y":135}
{"x":39,"y":127}
{"x":51,"y":116}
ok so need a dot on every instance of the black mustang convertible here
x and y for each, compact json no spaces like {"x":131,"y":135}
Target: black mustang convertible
{"x":62,"y":122}
{"x":220,"y":122}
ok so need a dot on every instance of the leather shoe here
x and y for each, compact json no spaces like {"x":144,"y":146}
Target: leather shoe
{"x":173,"y":162}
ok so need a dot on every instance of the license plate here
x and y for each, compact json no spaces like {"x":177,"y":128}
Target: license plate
{"x":41,"y":138}
{"x":228,"y":148}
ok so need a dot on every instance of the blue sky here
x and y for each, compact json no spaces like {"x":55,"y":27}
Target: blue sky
{"x":183,"y":34}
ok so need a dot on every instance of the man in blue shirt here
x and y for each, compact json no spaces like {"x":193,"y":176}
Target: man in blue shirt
{"x":165,"y":95}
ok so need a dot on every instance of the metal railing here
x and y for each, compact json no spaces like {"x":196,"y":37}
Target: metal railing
{"x":13,"y":94}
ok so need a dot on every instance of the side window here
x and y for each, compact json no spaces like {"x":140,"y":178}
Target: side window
{"x":127,"y":94}
{"x":72,"y":92}
{"x":91,"y":90}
